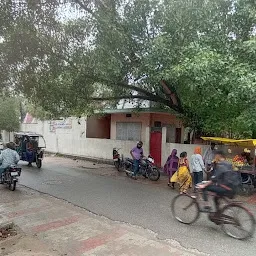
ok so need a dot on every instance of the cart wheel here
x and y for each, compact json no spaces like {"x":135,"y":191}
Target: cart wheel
{"x":245,"y":190}
{"x":39,"y":163}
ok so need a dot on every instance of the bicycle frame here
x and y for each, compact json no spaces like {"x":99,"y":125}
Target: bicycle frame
{"x":217,"y":217}
{"x":220,"y":217}
{"x":199,"y":193}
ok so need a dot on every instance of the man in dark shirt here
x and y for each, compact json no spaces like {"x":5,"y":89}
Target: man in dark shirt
{"x":218,"y":184}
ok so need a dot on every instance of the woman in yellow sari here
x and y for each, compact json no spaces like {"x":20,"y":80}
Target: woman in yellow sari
{"x":182,"y":176}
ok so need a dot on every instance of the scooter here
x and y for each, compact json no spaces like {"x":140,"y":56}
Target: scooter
{"x":10,"y":176}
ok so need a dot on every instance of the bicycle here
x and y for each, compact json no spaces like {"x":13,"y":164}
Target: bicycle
{"x":225,"y":216}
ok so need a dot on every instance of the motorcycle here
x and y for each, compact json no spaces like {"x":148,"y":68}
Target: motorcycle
{"x":146,"y":168}
{"x":118,"y":160}
{"x":10,"y":176}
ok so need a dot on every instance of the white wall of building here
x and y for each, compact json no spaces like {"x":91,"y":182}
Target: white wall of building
{"x":74,"y":142}
{"x":7,"y":136}
{"x":168,"y":147}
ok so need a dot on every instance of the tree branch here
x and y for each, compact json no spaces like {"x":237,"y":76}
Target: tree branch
{"x":83,"y":6}
{"x":127,"y":97}
{"x":146,"y":94}
{"x":171,"y":95}
{"x":152,"y":97}
{"x":170,"y":102}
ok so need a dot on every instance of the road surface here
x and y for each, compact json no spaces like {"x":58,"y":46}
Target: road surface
{"x":122,"y":199}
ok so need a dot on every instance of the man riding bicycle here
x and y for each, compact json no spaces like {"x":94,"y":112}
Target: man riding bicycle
{"x":223,"y":182}
{"x":236,"y":220}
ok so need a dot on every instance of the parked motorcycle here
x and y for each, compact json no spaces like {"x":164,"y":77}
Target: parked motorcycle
{"x":118,"y":160}
{"x":10,"y":176}
{"x":146,"y":168}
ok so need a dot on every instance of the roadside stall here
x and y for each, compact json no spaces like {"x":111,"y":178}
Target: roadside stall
{"x":242,"y":155}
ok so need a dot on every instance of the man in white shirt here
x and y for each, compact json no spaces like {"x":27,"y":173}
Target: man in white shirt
{"x":8,"y":157}
{"x":197,"y":165}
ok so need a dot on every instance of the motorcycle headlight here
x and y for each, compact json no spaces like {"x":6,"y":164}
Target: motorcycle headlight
{"x":151,"y":160}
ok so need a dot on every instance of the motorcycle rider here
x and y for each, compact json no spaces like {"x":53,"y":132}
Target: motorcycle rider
{"x":8,"y":157}
{"x":137,"y":155}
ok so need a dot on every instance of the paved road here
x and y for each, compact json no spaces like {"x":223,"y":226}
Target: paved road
{"x":132,"y":202}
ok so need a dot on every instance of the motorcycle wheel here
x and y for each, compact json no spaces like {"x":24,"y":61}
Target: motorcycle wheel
{"x":38,"y":163}
{"x":154,"y":174}
{"x":144,"y":173}
{"x":128,"y":171}
{"x":12,"y":185}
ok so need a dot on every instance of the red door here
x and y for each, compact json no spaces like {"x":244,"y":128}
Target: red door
{"x":156,"y":147}
{"x":178,"y":135}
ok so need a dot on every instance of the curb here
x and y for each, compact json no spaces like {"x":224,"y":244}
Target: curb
{"x":91,"y":159}
{"x":6,"y":225}
{"x":76,"y":157}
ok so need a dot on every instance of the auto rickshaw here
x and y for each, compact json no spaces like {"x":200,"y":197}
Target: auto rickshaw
{"x":30,"y":147}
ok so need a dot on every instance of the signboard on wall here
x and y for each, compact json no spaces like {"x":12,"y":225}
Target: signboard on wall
{"x":60,"y":124}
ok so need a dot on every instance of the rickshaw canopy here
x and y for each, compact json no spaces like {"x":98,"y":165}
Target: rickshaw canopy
{"x":241,"y":143}
{"x":39,"y":137}
{"x":29,"y":134}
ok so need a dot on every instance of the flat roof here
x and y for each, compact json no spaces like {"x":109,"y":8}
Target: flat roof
{"x":137,"y":110}
{"x":30,"y":134}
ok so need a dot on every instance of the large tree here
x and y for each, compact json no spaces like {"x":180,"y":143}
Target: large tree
{"x":9,"y":114}
{"x":196,"y":57}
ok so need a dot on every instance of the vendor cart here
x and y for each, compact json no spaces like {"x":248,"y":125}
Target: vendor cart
{"x":242,"y":154}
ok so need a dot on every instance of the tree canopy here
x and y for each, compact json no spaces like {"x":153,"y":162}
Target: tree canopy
{"x":196,"y":57}
{"x":9,"y":114}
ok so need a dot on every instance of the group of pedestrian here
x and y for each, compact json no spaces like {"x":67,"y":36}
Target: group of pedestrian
{"x":186,"y":175}
{"x":178,"y":168}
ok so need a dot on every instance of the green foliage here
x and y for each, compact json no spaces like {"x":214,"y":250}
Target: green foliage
{"x":114,"y":49}
{"x":9,"y":114}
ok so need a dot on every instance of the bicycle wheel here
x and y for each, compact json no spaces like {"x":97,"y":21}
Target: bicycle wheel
{"x":237,"y":221}
{"x":185,"y":209}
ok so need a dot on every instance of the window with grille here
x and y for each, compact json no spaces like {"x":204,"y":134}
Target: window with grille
{"x":128,"y":131}
{"x":171,"y":134}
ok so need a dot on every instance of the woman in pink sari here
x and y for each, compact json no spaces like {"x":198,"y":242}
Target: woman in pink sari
{"x":171,"y":166}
